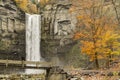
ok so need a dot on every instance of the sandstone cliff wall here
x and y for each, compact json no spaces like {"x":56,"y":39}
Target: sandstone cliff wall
{"x":12,"y":30}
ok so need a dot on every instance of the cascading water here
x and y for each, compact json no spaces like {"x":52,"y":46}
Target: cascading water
{"x":33,"y":35}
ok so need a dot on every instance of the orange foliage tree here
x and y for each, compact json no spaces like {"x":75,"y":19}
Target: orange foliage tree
{"x":96,"y":29}
{"x":22,"y":4}
{"x":31,"y":6}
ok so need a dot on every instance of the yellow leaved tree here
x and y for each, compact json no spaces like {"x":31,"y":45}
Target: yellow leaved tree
{"x":96,"y":30}
{"x":110,"y":46}
{"x":31,"y":6}
{"x":22,"y":4}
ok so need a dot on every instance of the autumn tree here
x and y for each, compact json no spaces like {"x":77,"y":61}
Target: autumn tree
{"x":22,"y":4}
{"x":94,"y":24}
{"x":111,"y":46}
{"x":31,"y":6}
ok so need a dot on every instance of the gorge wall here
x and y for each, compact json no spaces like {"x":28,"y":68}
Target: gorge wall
{"x":12,"y":33}
{"x":58,"y":26}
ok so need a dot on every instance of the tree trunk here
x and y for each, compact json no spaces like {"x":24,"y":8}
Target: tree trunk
{"x":96,"y":61}
{"x":109,"y":60}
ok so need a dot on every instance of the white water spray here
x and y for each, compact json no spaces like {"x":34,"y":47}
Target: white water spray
{"x":33,"y":39}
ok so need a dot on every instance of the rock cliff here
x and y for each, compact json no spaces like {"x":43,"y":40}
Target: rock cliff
{"x":12,"y":24}
{"x":58,"y":26}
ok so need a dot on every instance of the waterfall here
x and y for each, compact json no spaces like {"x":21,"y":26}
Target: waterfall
{"x":33,"y":35}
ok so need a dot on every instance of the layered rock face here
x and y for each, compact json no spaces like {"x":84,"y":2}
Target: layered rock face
{"x":58,"y":21}
{"x":11,"y":28}
{"x":58,"y":26}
